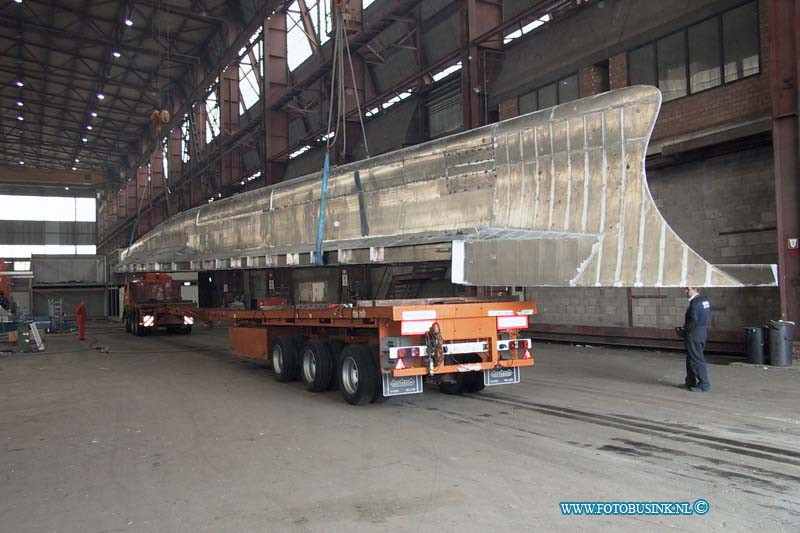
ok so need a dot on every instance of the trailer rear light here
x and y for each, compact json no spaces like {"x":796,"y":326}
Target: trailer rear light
{"x":517,"y":344}
{"x":507,"y":323}
{"x":148,"y":321}
{"x":188,"y":321}
{"x":527,"y":355}
{"x":408,"y":352}
{"x":400,"y":365}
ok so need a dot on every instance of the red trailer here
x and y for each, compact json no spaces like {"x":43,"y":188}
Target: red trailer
{"x":369,"y":349}
{"x":145,"y":300}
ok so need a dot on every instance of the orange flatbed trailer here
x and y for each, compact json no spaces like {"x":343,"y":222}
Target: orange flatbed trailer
{"x":376,"y":349}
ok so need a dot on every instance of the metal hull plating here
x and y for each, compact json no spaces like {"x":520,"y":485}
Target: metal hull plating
{"x":554,"y":198}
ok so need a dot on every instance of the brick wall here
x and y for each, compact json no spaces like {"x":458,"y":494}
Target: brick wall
{"x":509,"y":108}
{"x":738,"y":100}
{"x":592,"y":79}
{"x":618,"y":71}
{"x":723,"y":207}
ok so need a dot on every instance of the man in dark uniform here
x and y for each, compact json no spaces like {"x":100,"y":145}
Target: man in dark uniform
{"x":695,"y":330}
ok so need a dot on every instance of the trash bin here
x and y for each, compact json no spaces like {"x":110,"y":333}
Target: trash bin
{"x":781,"y":334}
{"x":754,"y":345}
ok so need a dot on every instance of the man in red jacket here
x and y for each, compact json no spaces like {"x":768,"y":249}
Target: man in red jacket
{"x":80,"y":313}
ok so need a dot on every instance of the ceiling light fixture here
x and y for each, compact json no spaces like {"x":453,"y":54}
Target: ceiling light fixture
{"x":94,"y":114}
{"x":66,"y":188}
{"x":89,"y":127}
{"x":84,"y":139}
{"x":21,"y":162}
{"x":19,"y":83}
{"x":74,"y":168}
{"x":20,"y":103}
{"x":19,"y":117}
{"x":18,"y":1}
{"x":100,"y":96}
{"x":77,"y":160}
{"x":116,"y":54}
{"x":128,"y":22}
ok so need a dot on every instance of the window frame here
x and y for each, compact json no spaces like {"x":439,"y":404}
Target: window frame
{"x":687,"y":56}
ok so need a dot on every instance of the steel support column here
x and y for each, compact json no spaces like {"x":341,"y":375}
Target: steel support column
{"x":142,"y":195}
{"x":229,"y":113}
{"x":275,"y":79}
{"x":156,"y":215}
{"x":477,"y":17}
{"x":176,"y":200}
{"x":784,"y":76}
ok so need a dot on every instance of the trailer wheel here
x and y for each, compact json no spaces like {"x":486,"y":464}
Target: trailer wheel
{"x":335,"y":347}
{"x":284,"y":359}
{"x":186,"y":329}
{"x":474,"y":382}
{"x":453,"y":387}
{"x":358,"y":377}
{"x":317,"y":365}
{"x":378,"y":396}
{"x":135,"y":327}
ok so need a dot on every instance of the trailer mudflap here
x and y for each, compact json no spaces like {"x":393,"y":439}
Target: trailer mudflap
{"x":399,"y":386}
{"x":501,"y":376}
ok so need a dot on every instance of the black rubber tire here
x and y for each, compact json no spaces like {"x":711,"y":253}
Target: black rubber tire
{"x":136,"y":328}
{"x":316,"y":365}
{"x":378,"y":396}
{"x":186,"y":329}
{"x":127,"y":322}
{"x":473,"y":382}
{"x":285,"y":363}
{"x":358,"y":376}
{"x":335,"y":347}
{"x":453,"y":387}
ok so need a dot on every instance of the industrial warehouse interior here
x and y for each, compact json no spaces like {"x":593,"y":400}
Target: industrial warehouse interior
{"x":399,"y":265}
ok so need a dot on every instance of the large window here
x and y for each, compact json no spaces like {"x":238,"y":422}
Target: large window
{"x":740,"y":42}
{"x":212,"y":113}
{"x":18,"y":251}
{"x":718,"y":50}
{"x":562,"y":91}
{"x":672,"y":66}
{"x":47,"y":208}
{"x":251,"y":70}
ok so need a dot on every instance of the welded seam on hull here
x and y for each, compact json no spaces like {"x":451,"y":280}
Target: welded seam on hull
{"x":623,"y":185}
{"x":642,"y":223}
{"x":684,"y":264}
{"x":536,"y":175}
{"x":602,"y":228}
{"x":585,"y":213}
{"x":662,"y":243}
{"x":569,"y":179}
{"x":552,"y":177}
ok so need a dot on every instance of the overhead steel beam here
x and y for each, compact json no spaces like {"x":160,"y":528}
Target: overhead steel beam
{"x":276,"y":78}
{"x":87,"y":39}
{"x":198,"y":91}
{"x":164,"y":7}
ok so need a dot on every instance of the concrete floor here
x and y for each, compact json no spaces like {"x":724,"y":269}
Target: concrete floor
{"x":169,"y":433}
